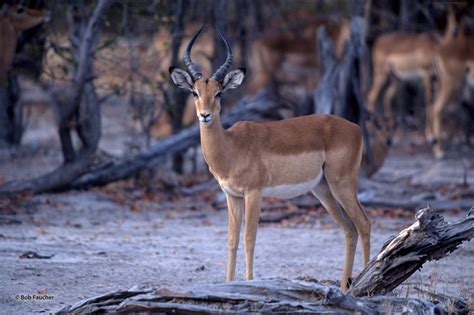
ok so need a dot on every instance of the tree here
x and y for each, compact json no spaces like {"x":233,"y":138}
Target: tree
{"x":77,"y":104}
{"x":176,"y":98}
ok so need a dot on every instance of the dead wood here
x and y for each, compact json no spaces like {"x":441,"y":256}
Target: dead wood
{"x":413,"y":204}
{"x":59,"y":177}
{"x":257,"y":296}
{"x":386,"y":203}
{"x":430,"y":237}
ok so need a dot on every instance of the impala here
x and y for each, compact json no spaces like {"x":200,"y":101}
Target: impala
{"x":454,"y":61}
{"x":14,"y":20}
{"x":407,"y":56}
{"x":288,"y":158}
{"x":298,"y":47}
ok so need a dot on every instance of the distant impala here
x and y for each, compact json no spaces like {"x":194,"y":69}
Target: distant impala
{"x":286,"y":159}
{"x":410,"y":56}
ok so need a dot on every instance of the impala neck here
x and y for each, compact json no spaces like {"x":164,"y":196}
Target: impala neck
{"x":216,"y":147}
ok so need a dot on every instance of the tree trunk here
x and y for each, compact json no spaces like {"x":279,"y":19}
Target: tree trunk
{"x":219,"y":16}
{"x":405,"y":15}
{"x":326,"y":96}
{"x":176,"y":97}
{"x":243,"y":32}
{"x":11,"y":116}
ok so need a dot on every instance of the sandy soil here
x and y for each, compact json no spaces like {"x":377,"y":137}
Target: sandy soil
{"x":100,"y":246}
{"x":119,"y":237}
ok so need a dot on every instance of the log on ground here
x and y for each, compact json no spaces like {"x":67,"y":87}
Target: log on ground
{"x":429,"y":238}
{"x":261,"y":296}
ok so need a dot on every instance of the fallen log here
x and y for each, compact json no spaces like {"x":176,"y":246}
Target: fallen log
{"x":257,"y":296}
{"x":59,"y":177}
{"x":386,"y":203}
{"x":430,"y":237}
{"x":277,"y":217}
{"x":409,"y":205}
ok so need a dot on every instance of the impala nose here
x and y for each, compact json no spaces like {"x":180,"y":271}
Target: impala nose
{"x":205,"y":117}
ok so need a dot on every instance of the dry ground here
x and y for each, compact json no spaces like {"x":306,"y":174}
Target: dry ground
{"x":118,"y":237}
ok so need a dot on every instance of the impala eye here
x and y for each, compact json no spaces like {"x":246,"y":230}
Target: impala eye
{"x":218,"y":95}
{"x":195,"y":94}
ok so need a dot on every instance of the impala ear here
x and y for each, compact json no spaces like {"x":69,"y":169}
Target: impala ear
{"x":233,"y":79}
{"x":181,"y":78}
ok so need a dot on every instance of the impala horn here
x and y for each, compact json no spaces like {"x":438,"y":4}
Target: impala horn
{"x":193,"y":69}
{"x":222,"y":71}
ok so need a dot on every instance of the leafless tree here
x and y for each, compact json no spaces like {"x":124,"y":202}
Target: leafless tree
{"x":176,"y":98}
{"x":76,"y":104}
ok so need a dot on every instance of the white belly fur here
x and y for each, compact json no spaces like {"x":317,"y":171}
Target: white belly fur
{"x":291,"y":191}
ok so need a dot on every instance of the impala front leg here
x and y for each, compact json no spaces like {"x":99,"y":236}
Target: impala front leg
{"x":235,"y":207}
{"x":253,"y":204}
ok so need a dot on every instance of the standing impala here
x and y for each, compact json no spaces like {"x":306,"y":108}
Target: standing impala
{"x":288,"y":158}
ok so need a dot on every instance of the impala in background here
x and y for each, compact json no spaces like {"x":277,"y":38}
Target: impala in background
{"x":422,"y":56}
{"x":454,"y":60}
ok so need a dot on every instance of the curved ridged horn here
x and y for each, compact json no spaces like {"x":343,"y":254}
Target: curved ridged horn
{"x":193,"y":69}
{"x":221,"y":72}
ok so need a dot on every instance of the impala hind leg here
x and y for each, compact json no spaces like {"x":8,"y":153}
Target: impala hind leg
{"x":345,"y":192}
{"x":235,"y":207}
{"x":253,"y":204}
{"x":428,"y":94}
{"x":379,"y":81}
{"x":328,"y":201}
